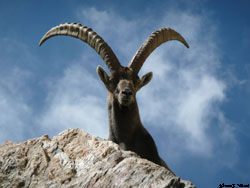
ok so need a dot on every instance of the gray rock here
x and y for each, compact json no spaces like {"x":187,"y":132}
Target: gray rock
{"x":76,"y":159}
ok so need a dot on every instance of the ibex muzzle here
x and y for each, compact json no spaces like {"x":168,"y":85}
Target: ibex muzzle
{"x":125,"y":127}
{"x":125,"y":92}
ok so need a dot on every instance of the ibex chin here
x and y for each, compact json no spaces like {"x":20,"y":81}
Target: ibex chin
{"x":125,"y":127}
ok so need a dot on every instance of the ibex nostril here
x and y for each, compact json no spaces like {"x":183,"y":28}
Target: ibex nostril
{"x":127,"y":93}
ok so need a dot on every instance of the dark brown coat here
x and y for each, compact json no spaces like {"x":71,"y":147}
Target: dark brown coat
{"x":125,"y":127}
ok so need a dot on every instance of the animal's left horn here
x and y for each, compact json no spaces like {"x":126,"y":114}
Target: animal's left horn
{"x":87,"y":35}
{"x":155,"y":39}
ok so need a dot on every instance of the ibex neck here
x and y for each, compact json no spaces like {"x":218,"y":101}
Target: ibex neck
{"x":123,"y":120}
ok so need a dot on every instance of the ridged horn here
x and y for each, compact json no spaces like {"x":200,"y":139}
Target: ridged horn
{"x":155,"y":39}
{"x":87,"y":35}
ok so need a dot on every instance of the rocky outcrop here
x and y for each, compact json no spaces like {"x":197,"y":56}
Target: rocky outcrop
{"x":76,"y":159}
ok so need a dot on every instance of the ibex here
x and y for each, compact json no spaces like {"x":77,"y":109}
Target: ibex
{"x":125,"y":127}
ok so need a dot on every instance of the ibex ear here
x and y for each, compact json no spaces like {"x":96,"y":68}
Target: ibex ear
{"x":103,"y":76}
{"x":146,"y":79}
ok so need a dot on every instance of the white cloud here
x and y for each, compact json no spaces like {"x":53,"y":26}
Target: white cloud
{"x":15,"y":112}
{"x":186,"y":93}
{"x":74,"y":102}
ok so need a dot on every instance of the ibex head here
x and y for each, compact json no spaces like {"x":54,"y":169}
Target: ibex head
{"x":123,"y":82}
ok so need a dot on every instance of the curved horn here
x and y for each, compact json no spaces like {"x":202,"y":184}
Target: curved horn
{"x":87,"y":35}
{"x":155,"y":39}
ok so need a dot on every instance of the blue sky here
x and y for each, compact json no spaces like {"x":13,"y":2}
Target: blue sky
{"x":196,"y":107}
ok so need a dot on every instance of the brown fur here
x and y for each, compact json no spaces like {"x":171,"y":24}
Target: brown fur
{"x":125,"y":127}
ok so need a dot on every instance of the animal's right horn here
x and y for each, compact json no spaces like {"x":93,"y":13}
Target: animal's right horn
{"x":154,"y":40}
{"x":87,"y":35}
